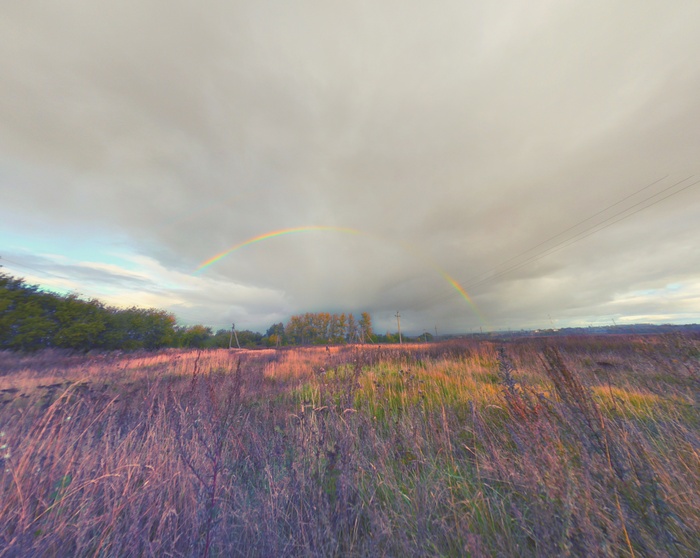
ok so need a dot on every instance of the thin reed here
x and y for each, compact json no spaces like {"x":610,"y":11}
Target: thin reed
{"x":589,"y":447}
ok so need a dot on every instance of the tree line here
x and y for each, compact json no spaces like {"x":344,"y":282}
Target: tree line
{"x":325,"y":328}
{"x":32,"y":319}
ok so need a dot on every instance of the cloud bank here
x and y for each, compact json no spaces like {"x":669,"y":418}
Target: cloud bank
{"x":457,"y":138}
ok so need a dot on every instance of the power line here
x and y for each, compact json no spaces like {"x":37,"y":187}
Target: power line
{"x":494,"y":273}
{"x":398,"y":322}
{"x":491,"y":272}
{"x":572,"y":227}
{"x":580,"y":236}
{"x":233,"y":332}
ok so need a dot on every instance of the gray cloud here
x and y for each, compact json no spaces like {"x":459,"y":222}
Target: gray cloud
{"x":457,"y":137}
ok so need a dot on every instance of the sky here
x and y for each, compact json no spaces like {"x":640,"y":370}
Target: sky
{"x":471,"y":165}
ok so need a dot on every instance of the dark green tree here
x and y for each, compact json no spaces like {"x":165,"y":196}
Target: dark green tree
{"x":196,"y":336}
{"x":274,"y":336}
{"x":79,"y":323}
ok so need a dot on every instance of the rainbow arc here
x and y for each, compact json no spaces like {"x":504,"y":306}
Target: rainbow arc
{"x":305,"y":229}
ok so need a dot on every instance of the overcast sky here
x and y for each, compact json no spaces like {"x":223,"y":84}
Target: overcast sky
{"x":541,"y":156}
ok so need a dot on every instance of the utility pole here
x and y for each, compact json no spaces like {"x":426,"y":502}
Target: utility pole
{"x":398,"y":322}
{"x":436,"y":333}
{"x":233,"y":332}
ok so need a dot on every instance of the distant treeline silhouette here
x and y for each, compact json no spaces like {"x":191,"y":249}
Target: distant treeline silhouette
{"x":33,"y":319}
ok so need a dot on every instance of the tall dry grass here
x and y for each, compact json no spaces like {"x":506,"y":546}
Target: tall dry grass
{"x":589,"y":447}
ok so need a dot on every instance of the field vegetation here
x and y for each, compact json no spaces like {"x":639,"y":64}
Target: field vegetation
{"x":582,"y":446}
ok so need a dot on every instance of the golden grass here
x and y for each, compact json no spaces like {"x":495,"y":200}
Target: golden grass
{"x":453,"y":449}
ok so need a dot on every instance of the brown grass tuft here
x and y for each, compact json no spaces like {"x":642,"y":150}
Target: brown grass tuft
{"x":456,"y":449}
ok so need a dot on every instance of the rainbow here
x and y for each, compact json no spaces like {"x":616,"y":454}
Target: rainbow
{"x":451,"y":280}
{"x":293,"y":230}
{"x":461,"y":292}
{"x":267,"y":235}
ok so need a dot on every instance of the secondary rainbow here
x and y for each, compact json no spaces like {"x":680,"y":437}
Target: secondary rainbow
{"x":282,"y":232}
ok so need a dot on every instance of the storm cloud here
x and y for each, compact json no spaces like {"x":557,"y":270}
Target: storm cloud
{"x":458,"y":138}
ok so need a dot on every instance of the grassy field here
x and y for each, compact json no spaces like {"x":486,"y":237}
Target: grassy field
{"x":574,"y":446}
